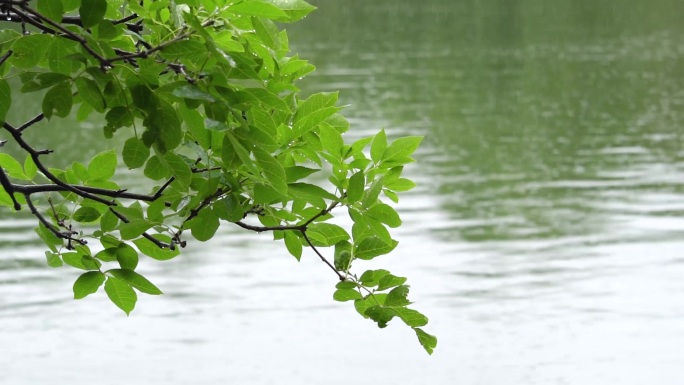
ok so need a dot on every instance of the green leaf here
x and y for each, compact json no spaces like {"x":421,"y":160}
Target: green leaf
{"x":314,"y":111}
{"x":389,"y":281}
{"x":88,"y":283}
{"x":30,"y":168}
{"x":119,"y":116}
{"x":102,"y":166}
{"x":190,"y":91}
{"x":331,"y":139}
{"x":155,"y":169}
{"x":108,"y":221}
{"x":260,"y":9}
{"x":90,"y":93}
{"x":184,"y":49}
{"x":372,"y":247}
{"x":29,"y":50}
{"x":136,"y":280}
{"x":293,"y":244}
{"x":378,"y":146}
{"x":234,"y":154}
{"x":402,"y":147}
{"x":86,"y":214}
{"x":357,"y":183}
{"x":310,"y":193}
{"x":229,"y":208}
{"x":167,"y":124}
{"x":381,"y":315}
{"x":107,"y":255}
{"x":326,"y":234}
{"x":70,"y":5}
{"x":343,"y":256}
{"x":126,"y":256}
{"x":92,"y":12}
{"x":52,"y":9}
{"x":204,"y":225}
{"x":12,"y":166}
{"x":134,"y":228}
{"x":224,"y":40}
{"x":48,"y":237}
{"x":135,"y":153}
{"x":272,"y":170}
{"x":106,"y":30}
{"x":5,"y":99}
{"x":121,"y":294}
{"x":58,"y":100}
{"x":343,"y":295}
{"x":267,"y":31}
{"x":295,"y":173}
{"x":53,"y":259}
{"x":153,"y":251}
{"x":74,"y":259}
{"x":295,"y":9}
{"x":143,"y":97}
{"x":261,"y":95}
{"x":398,"y":296}
{"x":412,"y":318}
{"x":371,"y":278}
{"x":428,"y":341}
{"x":401,"y":184}
{"x":179,"y":169}
{"x":385,"y":214}
{"x":371,"y":195}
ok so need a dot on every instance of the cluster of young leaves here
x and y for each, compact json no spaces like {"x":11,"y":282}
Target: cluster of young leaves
{"x":202,"y":94}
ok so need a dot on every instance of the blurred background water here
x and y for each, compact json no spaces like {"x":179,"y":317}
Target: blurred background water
{"x":545,"y":239}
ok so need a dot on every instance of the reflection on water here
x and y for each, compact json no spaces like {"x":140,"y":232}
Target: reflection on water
{"x":545,"y":239}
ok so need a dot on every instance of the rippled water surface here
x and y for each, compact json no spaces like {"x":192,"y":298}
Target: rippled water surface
{"x":545,"y":240}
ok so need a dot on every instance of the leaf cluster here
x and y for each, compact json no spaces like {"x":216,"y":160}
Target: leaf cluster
{"x":203,"y":96}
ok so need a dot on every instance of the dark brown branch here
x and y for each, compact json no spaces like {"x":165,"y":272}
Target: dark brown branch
{"x":128,"y":18}
{"x":103,"y":61}
{"x":9,"y":188}
{"x":5,"y":56}
{"x":31,"y":122}
{"x":260,"y":229}
{"x":20,"y":17}
{"x":160,"y":192}
{"x":123,"y":194}
{"x":16,"y":134}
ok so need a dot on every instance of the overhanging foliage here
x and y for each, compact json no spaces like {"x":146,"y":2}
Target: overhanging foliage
{"x":203,"y":95}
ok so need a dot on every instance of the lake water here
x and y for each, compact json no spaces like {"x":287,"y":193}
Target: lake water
{"x":545,"y":240}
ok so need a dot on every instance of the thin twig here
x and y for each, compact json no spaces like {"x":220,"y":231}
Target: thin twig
{"x":16,"y":134}
{"x":5,"y":56}
{"x":31,"y":122}
{"x":306,"y":238}
{"x":62,"y":235}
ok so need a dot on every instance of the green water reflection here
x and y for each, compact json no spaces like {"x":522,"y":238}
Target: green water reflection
{"x":540,"y":116}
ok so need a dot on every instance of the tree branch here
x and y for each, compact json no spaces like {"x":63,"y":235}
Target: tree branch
{"x":16,"y":134}
{"x":6,"y":56}
{"x":9,"y":188}
{"x":31,"y":122}
{"x":103,"y":61}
